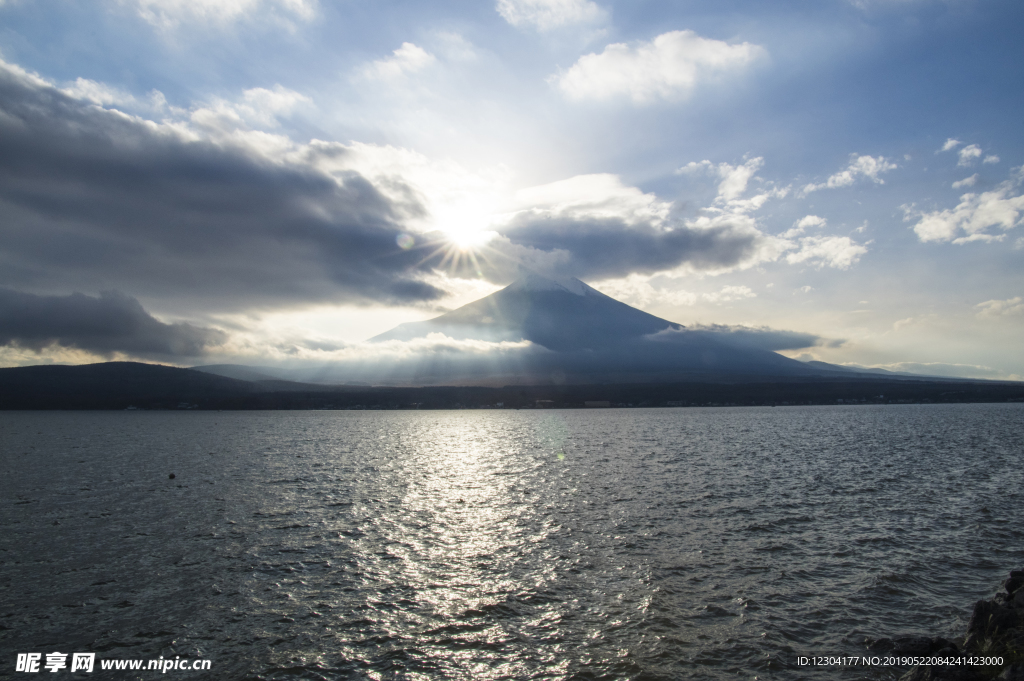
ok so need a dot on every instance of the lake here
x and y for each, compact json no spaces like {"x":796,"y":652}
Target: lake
{"x":712,"y":543}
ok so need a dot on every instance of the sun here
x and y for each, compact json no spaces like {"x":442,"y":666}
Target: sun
{"x":458,"y":238}
{"x":468,"y":239}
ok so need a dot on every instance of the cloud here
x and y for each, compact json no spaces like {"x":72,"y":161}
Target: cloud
{"x":801,"y":225}
{"x":991,"y":158}
{"x":637,"y":291}
{"x":170,"y":14}
{"x":407,"y":59}
{"x":735,"y":178}
{"x":968,"y":155}
{"x":950,"y":144}
{"x":729,"y":294}
{"x":434,"y":359}
{"x":966,"y":182}
{"x":258,"y":107}
{"x":951,"y":370}
{"x":233,"y":219}
{"x":599,"y":195}
{"x":545,"y":15}
{"x":609,"y":247}
{"x":839,"y":252}
{"x":761,"y":338}
{"x":973,"y":216}
{"x":110,"y":324}
{"x":593,"y":226}
{"x":860,"y":166}
{"x":667,"y":67}
{"x":1001,"y":308}
{"x":99,"y":93}
{"x":734,"y":182}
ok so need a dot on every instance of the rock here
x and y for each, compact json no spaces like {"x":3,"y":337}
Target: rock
{"x":1014,"y":672}
{"x":920,"y":646}
{"x":991,"y":620}
{"x":996,"y":629}
{"x":1014,"y":581}
{"x":916,"y":646}
{"x":951,"y":673}
{"x":171,"y":476}
{"x":885,"y":644}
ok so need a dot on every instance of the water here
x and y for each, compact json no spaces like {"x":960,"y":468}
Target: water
{"x":602,"y":544}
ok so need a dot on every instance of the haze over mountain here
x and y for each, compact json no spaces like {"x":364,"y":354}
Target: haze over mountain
{"x":583,"y":335}
{"x":562,"y":314}
{"x":542,"y":330}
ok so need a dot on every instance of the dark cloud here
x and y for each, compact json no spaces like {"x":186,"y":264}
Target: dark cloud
{"x":762,"y":338}
{"x":599,"y":248}
{"x":92,"y":199}
{"x":112,"y":323}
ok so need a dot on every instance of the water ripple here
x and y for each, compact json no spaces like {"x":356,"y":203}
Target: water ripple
{"x":613,"y":544}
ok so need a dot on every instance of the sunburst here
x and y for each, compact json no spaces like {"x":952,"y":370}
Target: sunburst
{"x":457,"y":251}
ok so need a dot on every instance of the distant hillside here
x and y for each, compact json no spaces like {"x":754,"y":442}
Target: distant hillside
{"x":119,"y":385}
{"x":242,"y":372}
{"x":114,"y":385}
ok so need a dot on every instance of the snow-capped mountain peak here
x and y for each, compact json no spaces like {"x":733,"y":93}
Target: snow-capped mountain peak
{"x":535,"y":282}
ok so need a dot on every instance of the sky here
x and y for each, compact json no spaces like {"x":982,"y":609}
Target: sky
{"x":276,"y":181}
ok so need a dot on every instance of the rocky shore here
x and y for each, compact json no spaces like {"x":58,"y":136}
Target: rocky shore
{"x":995,"y":630}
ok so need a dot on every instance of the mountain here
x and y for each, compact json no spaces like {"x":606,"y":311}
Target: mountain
{"x":582,"y":335}
{"x":241,"y":372}
{"x":559,"y":314}
{"x":122,"y":385}
{"x":114,"y":385}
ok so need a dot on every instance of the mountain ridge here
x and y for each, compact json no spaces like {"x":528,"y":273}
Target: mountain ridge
{"x":589,"y":336}
{"x":555,"y":315}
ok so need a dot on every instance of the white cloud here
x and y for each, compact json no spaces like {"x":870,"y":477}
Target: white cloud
{"x":950,"y":144}
{"x":98,"y":93}
{"x":548,"y":14}
{"x":729,"y":293}
{"x":454,"y":47}
{"x":839,"y":252}
{"x":801,"y":225}
{"x":1001,"y":308}
{"x":667,"y":67}
{"x":991,"y":158}
{"x":408,"y":58}
{"x":262,"y":106}
{"x":860,"y":166}
{"x":595,"y":196}
{"x":735,"y":179}
{"x":239,"y":122}
{"x":638,"y":291}
{"x":945,"y":369}
{"x":968,"y":155}
{"x":169,"y":14}
{"x":966,"y":182}
{"x":973,"y":216}
{"x":108,"y":96}
{"x":453,"y":199}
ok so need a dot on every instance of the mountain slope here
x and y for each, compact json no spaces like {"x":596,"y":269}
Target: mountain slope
{"x":587,"y":336}
{"x":113,"y":385}
{"x":558,"y":314}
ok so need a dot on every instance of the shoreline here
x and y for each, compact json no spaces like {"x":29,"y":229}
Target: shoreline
{"x":995,"y":630}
